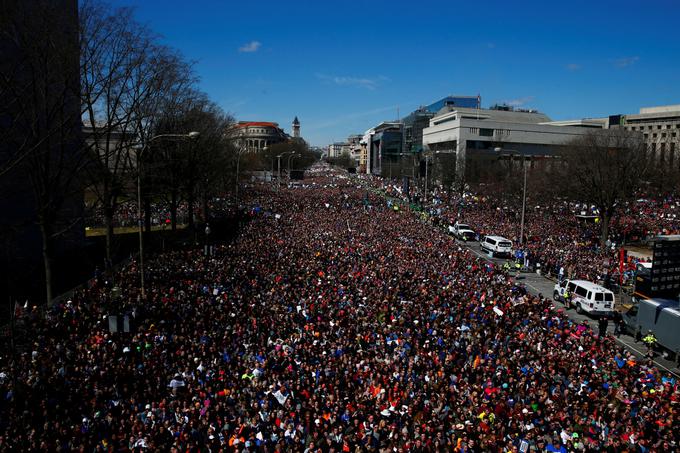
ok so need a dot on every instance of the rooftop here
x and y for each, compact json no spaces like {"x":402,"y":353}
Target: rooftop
{"x":500,"y":116}
{"x":257,"y":123}
{"x":660,"y":109}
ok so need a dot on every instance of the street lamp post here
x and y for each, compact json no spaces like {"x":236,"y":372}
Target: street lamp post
{"x":238,"y":166}
{"x":278,"y":179}
{"x":524,"y":192}
{"x":427,"y":161}
{"x":140,"y":221}
{"x":293,"y":155}
{"x":271,"y":175}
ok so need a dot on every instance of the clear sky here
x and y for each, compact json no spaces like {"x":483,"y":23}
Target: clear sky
{"x":344,"y":66}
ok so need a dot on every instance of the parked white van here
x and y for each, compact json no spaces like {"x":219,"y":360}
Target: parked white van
{"x":586,"y":296}
{"x":496,"y":245}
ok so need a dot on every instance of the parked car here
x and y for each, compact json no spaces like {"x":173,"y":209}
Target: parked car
{"x":585,"y":296}
{"x":497,"y":245}
{"x":462,"y":231}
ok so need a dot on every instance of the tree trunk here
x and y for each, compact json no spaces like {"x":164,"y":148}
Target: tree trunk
{"x":605,"y":218}
{"x":173,"y":210}
{"x":47,"y":258}
{"x":147,"y":214}
{"x":108,"y":223}
{"x":190,"y":209}
{"x":206,"y":208}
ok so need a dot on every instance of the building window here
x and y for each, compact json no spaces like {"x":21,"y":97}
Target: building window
{"x":486,"y":132}
{"x":671,"y":153}
{"x":654,"y":135}
{"x":663,"y":135}
{"x":658,"y":127}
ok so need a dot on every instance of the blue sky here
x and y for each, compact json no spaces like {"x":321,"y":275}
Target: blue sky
{"x":344,"y":66}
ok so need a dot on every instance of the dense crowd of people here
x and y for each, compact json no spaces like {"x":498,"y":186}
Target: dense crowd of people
{"x":562,"y":238}
{"x":332,"y":323}
{"x":126,"y":214}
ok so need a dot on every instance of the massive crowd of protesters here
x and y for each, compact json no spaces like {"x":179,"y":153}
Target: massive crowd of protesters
{"x":561,"y":238}
{"x":125,"y":214}
{"x":332,"y":323}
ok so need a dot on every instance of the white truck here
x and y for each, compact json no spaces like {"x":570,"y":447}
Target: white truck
{"x":462,"y":231}
{"x":661,"y":316}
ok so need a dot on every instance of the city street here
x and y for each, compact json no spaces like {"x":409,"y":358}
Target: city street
{"x":218,"y":235}
{"x":538,"y":284}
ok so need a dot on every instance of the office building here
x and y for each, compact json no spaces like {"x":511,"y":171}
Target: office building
{"x":337,"y":149}
{"x":419,"y":119}
{"x":473,"y":136}
{"x":385,"y":146}
{"x":660,"y":129}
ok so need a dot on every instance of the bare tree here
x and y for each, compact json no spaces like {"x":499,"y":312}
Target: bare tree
{"x":117,"y":74}
{"x":605,"y":168}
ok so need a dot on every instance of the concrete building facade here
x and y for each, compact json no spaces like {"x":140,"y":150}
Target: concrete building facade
{"x":337,"y":149}
{"x":660,"y":129}
{"x":354,"y":146}
{"x":477,"y":133}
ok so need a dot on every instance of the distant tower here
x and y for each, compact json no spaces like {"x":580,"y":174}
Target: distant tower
{"x":296,"y":128}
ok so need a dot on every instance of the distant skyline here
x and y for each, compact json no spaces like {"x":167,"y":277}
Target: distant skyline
{"x":342,"y":67}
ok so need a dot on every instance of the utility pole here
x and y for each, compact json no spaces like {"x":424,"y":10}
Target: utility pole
{"x":278,"y":178}
{"x":524,"y":202}
{"x":426,"y":167}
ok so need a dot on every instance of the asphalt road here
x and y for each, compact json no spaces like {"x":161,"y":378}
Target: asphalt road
{"x":538,"y":284}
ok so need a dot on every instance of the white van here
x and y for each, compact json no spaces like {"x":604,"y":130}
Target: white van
{"x":586,"y":296}
{"x":496,"y":245}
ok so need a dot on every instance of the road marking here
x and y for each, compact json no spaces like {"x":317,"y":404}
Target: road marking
{"x":534,"y":288}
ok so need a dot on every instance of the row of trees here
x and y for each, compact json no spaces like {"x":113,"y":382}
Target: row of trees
{"x":604,"y":168}
{"x":295,"y":153}
{"x":138,"y":96}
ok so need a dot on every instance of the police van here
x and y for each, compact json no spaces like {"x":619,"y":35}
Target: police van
{"x":496,"y":245}
{"x":585,"y":296}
